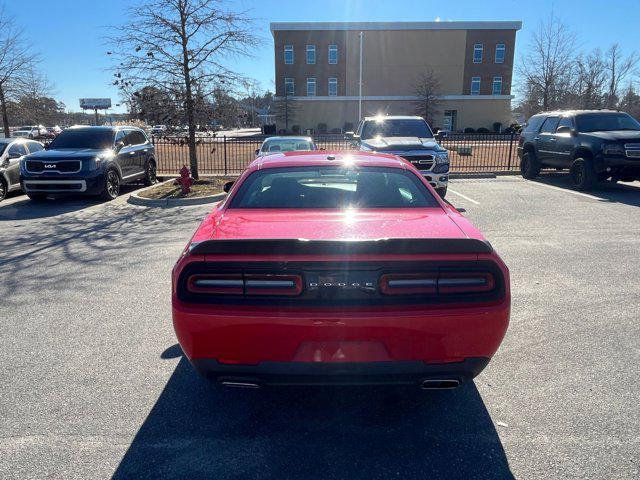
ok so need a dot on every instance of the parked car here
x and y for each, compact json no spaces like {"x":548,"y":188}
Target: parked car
{"x":30,"y":131}
{"x":159,"y":130}
{"x":410,"y":138}
{"x":285,"y":144}
{"x":594,"y":145}
{"x":338,"y":268}
{"x":53,"y":132}
{"x":89,"y":161}
{"x":12,"y":150}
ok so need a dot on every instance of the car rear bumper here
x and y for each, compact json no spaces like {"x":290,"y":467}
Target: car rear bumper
{"x":353,"y":373}
{"x":238,"y":336}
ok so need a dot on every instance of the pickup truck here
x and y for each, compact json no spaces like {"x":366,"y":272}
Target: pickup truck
{"x":408,"y":137}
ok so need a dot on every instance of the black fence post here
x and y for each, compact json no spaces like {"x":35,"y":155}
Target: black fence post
{"x":224,"y":142}
{"x":510,"y":151}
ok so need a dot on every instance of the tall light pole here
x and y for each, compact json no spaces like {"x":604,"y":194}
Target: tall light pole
{"x":360,"y":82}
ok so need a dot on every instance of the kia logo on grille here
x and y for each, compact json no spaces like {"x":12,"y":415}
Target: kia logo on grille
{"x":50,"y":165}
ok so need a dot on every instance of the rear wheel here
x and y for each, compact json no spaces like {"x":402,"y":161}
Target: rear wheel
{"x":582,"y":175}
{"x":111,"y":188}
{"x":529,"y":166}
{"x":150,"y":175}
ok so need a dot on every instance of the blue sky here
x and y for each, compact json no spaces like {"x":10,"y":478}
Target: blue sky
{"x":69,"y":34}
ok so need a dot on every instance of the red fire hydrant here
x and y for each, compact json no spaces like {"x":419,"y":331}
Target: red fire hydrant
{"x":185,"y":180}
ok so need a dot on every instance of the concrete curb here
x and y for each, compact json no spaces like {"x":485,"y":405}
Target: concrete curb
{"x":136,"y":199}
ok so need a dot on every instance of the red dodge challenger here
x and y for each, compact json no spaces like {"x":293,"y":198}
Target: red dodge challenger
{"x":338,"y":268}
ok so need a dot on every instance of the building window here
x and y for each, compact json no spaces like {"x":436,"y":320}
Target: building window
{"x":477,"y":53}
{"x":333,"y":54}
{"x":333,"y":87}
{"x":311,"y":54}
{"x":475,"y":85}
{"x":288,"y":87}
{"x":500,"y":53}
{"x":311,"y":87}
{"x":288,"y":54}
{"x":497,"y":86}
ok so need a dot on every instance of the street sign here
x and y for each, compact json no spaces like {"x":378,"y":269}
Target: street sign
{"x":95,"y":103}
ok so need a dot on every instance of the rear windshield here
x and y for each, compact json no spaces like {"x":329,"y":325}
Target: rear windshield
{"x":603,"y":122}
{"x":286,"y":145}
{"x":333,"y":188}
{"x":84,"y":138}
{"x":412,"y":127}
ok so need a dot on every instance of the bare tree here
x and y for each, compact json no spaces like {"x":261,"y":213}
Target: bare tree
{"x":286,"y":109}
{"x":182,"y":43}
{"x":17,"y":60}
{"x":591,"y":76}
{"x":547,"y":69}
{"x":427,"y":89}
{"x":619,"y":69}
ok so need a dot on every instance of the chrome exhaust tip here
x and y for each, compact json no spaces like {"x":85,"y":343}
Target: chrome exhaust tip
{"x":443,"y":384}
{"x":230,"y":384}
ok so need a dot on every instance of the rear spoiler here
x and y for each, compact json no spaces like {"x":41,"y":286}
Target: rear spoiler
{"x":340,"y":247}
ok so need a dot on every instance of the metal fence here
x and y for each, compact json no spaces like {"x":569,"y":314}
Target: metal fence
{"x":469,"y":153}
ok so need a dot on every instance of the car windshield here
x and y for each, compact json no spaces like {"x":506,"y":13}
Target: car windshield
{"x":286,"y":145}
{"x":333,"y":188}
{"x":396,"y":128}
{"x":603,"y":122}
{"x":84,"y":138}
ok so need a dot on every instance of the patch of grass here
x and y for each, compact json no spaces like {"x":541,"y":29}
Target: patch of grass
{"x":200,"y":188}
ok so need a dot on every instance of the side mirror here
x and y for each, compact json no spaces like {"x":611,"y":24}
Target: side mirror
{"x":5,"y":163}
{"x":119,"y":145}
{"x":14,"y":155}
{"x":257,"y":151}
{"x":227,"y":186}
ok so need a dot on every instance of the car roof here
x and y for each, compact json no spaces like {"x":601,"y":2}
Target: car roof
{"x":327,"y":159}
{"x":103,"y":127}
{"x":297,"y":139}
{"x":394,"y":117}
{"x":574,"y":112}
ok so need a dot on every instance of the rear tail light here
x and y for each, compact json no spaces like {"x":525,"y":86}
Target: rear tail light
{"x":408,"y":284}
{"x":273,"y":284}
{"x":465,"y":282}
{"x":442,"y":283}
{"x":238,"y":284}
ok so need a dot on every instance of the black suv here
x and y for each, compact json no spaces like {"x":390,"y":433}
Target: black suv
{"x":595,"y":145}
{"x":89,"y":161}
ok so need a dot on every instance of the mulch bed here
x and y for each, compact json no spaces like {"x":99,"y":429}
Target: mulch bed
{"x":200,"y":188}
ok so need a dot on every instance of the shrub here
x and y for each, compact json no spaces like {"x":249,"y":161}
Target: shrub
{"x":336,"y":130}
{"x":497,"y":126}
{"x":322,"y":128}
{"x":469,"y":130}
{"x":348,"y":127}
{"x":483,"y":130}
{"x":295,"y":129}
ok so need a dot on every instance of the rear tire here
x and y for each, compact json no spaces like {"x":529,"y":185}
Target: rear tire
{"x":582,"y":175}
{"x":529,"y":166}
{"x":150,"y":173}
{"x":442,"y":191}
{"x":111,"y":188}
{"x":3,"y":189}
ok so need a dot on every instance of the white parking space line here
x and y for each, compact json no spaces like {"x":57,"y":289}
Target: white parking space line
{"x":463,"y":196}
{"x":593,"y":197}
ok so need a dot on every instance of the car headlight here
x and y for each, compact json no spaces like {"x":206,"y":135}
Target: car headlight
{"x":442,"y":157}
{"x":616,"y":150}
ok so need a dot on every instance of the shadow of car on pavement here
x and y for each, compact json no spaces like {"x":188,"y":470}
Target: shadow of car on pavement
{"x":198,"y":431}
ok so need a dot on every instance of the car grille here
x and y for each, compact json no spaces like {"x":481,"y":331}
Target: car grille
{"x":421,"y":162}
{"x":58,"y":166}
{"x":632,"y":150}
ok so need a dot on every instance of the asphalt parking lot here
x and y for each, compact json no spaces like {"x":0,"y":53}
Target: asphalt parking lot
{"x":93,"y":384}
